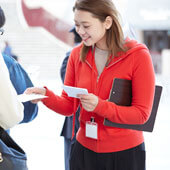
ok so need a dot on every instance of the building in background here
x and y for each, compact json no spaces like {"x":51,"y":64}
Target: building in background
{"x":152,"y":21}
{"x":157,"y":41}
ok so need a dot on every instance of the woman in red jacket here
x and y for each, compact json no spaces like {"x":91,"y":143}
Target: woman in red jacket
{"x":103,"y":56}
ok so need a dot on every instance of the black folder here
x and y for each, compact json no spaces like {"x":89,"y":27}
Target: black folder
{"x":121,"y":94}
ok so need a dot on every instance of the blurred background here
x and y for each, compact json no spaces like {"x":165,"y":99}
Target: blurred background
{"x":37,"y":32}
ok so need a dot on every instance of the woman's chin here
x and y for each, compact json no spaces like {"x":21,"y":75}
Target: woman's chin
{"x":87,"y":43}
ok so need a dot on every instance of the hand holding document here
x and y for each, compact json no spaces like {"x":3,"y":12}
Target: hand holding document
{"x":74,"y":91}
{"x":28,"y":97}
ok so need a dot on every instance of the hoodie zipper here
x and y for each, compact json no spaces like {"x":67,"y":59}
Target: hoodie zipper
{"x":98,"y":77}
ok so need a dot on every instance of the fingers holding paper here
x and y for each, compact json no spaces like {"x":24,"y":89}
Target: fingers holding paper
{"x":88,"y":101}
{"x":36,"y":90}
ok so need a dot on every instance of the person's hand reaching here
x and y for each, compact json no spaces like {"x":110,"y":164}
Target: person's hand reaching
{"x":35,"y":90}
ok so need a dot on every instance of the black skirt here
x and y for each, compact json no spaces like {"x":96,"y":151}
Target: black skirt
{"x":85,"y":159}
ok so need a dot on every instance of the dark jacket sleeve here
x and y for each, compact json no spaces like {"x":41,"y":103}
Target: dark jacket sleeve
{"x":21,"y":82}
{"x":67,"y":126}
{"x":63,"y":67}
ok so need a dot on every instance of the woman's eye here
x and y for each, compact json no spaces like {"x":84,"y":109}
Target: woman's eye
{"x":77,"y":25}
{"x":86,"y":26}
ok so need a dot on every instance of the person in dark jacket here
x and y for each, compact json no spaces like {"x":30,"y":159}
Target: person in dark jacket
{"x":19,"y":79}
{"x":67,"y":127}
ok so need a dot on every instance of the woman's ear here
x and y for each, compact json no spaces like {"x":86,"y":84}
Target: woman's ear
{"x":108,"y":22}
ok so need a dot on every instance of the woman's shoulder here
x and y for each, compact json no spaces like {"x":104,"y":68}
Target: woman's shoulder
{"x":134,"y":46}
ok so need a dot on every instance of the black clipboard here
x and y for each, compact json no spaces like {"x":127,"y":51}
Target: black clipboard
{"x":121,"y":94}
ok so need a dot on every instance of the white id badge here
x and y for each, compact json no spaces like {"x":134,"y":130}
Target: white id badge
{"x":91,"y":129}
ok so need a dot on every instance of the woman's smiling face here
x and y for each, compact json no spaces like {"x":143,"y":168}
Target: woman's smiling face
{"x":91,"y":30}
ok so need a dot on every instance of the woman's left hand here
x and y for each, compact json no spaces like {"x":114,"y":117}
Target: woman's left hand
{"x":88,"y":101}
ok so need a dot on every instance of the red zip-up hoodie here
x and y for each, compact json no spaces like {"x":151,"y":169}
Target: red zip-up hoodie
{"x":135,"y":65}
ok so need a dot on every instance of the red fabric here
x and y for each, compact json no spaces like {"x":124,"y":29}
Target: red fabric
{"x":133,"y":65}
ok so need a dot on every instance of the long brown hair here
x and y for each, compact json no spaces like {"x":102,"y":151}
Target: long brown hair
{"x":101,"y":9}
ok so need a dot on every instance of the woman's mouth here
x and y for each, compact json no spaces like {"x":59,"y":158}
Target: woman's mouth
{"x":85,"y":39}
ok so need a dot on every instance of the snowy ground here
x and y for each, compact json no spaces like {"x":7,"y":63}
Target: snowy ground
{"x":42,"y":142}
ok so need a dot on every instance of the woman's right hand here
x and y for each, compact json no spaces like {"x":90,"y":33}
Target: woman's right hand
{"x":35,"y":90}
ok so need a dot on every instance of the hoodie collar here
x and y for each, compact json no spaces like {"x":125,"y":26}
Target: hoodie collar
{"x":132,"y":46}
